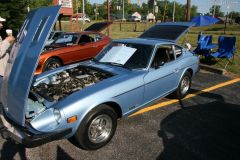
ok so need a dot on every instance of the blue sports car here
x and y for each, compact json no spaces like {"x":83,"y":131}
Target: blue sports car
{"x":84,"y":100}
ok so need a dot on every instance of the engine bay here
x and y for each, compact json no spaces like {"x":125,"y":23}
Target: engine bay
{"x":55,"y":87}
{"x":58,"y":86}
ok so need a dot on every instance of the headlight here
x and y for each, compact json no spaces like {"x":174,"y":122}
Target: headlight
{"x":57,"y":115}
{"x":47,"y":121}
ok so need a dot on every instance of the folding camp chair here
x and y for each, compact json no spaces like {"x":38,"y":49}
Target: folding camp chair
{"x":204,"y":45}
{"x":226,"y":49}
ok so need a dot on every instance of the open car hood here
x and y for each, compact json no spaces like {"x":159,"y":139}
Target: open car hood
{"x":169,"y":31}
{"x":23,"y":61}
{"x":98,"y":27}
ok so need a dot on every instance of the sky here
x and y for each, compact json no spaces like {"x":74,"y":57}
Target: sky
{"x":203,"y":5}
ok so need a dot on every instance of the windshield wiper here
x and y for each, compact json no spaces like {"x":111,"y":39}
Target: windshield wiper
{"x":94,"y":60}
{"x":116,"y":64}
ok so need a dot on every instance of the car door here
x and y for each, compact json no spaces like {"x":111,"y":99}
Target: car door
{"x":66,"y":53}
{"x":162,"y":75}
{"x":179,"y":62}
{"x":86,"y":48}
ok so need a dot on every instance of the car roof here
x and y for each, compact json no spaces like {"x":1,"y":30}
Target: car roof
{"x":147,"y":41}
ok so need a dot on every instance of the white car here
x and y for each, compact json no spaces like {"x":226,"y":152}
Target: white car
{"x":86,"y":19}
{"x":134,"y":19}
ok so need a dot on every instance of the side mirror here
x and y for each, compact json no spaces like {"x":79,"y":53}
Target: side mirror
{"x":158,"y":65}
{"x":162,"y":63}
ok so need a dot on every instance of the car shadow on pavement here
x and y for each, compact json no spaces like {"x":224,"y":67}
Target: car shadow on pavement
{"x":205,"y":95}
{"x":10,"y":149}
{"x":61,"y":154}
{"x":205,"y":131}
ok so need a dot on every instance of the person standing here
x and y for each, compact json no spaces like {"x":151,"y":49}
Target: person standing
{"x":4,"y":45}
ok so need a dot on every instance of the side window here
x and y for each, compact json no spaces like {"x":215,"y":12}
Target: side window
{"x":164,"y":54}
{"x":85,"y":39}
{"x":67,"y":39}
{"x":178,"y":51}
{"x":56,"y":35}
{"x":95,"y":37}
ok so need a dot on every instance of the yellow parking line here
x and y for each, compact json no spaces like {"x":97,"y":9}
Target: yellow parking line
{"x":166,"y":103}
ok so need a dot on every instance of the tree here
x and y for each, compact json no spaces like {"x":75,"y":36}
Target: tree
{"x":180,"y":11}
{"x":234,"y":14}
{"x":131,"y":8}
{"x":218,"y":11}
{"x":14,"y":11}
{"x":39,"y":3}
{"x":194,"y":11}
{"x":89,"y":10}
{"x":144,"y":9}
{"x":102,"y":9}
{"x":150,"y":4}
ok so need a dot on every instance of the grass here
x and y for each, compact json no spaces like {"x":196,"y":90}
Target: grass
{"x":132,"y":30}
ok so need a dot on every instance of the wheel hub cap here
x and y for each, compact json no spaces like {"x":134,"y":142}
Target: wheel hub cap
{"x":100,"y":129}
{"x":185,"y":85}
{"x":53,"y":65}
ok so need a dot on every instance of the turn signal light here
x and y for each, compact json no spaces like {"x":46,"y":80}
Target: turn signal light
{"x":72,"y":119}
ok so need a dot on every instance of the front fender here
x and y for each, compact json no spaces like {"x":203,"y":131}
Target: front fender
{"x":82,"y":109}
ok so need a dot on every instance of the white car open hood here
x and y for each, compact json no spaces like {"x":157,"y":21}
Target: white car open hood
{"x":24,"y":60}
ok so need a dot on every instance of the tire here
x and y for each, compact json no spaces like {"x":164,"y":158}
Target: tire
{"x":184,"y":86}
{"x":52,"y":63}
{"x":97,"y":128}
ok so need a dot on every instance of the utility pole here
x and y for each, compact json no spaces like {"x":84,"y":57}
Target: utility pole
{"x":96,"y":12}
{"x":153,"y":6}
{"x":123,"y":14}
{"x":173,"y":19}
{"x":28,"y":6}
{"x":226,"y":20}
{"x":108,"y":9}
{"x":76,"y":2}
{"x":165,"y":10}
{"x":214,"y":8}
{"x":83,"y":12}
{"x":188,"y":10}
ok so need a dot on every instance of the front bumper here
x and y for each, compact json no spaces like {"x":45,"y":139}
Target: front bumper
{"x":22,"y":135}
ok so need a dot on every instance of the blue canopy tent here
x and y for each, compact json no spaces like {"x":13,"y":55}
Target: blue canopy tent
{"x":204,"y":20}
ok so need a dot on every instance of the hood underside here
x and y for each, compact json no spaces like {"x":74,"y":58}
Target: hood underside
{"x":98,"y":27}
{"x":24,"y":59}
{"x":168,"y":31}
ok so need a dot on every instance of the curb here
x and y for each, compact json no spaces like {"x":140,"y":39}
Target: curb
{"x":212,"y":69}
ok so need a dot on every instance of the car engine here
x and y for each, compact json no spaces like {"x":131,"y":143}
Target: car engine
{"x":58,"y":86}
{"x":53,"y":88}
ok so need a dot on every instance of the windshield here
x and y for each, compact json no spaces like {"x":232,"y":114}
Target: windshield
{"x":67,"y":39}
{"x":127,"y":55}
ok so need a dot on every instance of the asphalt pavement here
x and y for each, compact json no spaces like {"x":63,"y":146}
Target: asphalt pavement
{"x":205,"y":126}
